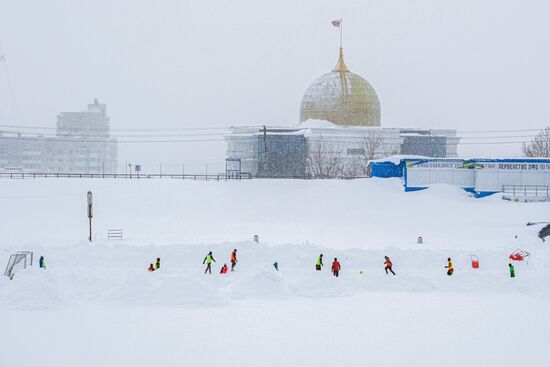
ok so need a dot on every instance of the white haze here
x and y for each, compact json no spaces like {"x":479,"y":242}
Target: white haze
{"x":468,"y":65}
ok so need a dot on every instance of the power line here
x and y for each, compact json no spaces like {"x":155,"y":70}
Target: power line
{"x":494,"y":142}
{"x":108,"y":141}
{"x":221,"y":134}
{"x":494,"y":131}
{"x":128,"y":129}
{"x":497,"y":137}
{"x":221,"y":139}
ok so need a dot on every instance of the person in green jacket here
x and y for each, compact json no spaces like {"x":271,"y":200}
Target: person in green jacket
{"x":42,"y":262}
{"x":208,"y":260}
{"x":512,"y":271}
{"x":319,"y":262}
{"x":157,"y":264}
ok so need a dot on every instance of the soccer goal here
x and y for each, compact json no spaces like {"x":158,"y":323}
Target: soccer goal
{"x":17,"y":261}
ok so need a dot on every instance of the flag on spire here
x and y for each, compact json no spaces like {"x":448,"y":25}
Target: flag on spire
{"x":336,"y":22}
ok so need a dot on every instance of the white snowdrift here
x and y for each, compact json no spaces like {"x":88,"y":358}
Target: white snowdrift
{"x":96,"y":304}
{"x":369,"y":213}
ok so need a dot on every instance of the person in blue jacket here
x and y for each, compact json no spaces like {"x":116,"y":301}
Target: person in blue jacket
{"x":42,"y":262}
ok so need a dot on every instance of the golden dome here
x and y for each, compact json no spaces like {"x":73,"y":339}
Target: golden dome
{"x":341,"y":97}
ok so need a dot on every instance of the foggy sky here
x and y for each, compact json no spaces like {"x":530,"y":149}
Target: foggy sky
{"x":469,"y":65}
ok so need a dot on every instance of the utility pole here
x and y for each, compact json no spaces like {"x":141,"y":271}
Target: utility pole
{"x":90,"y":214}
{"x":266,"y":165}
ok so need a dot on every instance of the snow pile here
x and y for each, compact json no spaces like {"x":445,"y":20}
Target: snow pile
{"x":96,"y":304}
{"x":333,"y":213}
{"x":117,"y":275}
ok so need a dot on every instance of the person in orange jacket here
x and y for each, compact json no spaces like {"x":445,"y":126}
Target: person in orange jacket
{"x":388,"y":265}
{"x":336,"y":267}
{"x":233,"y":259}
{"x":224,"y":269}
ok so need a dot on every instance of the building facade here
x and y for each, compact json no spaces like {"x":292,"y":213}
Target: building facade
{"x":324,"y":152}
{"x":339,"y":133}
{"x":81,"y":144}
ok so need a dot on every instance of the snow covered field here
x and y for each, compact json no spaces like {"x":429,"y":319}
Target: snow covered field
{"x":96,"y":305}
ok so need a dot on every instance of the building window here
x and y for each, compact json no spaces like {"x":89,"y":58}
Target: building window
{"x":355,"y":151}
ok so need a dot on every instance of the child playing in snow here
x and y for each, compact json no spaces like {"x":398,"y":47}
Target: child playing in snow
{"x":335,"y":267}
{"x":388,"y":265}
{"x":319,"y":262}
{"x":450,"y":267}
{"x":208,"y":260}
{"x":224,"y":269}
{"x":151,"y":268}
{"x":233,"y":259}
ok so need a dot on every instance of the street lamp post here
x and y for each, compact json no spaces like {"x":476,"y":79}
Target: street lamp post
{"x":90,"y":214}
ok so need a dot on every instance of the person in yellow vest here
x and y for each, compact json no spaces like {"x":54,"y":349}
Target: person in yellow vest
{"x":319,"y":262}
{"x":449,"y":267}
{"x":208,"y":260}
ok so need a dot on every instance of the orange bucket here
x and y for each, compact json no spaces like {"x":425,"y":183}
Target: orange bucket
{"x":475,"y":261}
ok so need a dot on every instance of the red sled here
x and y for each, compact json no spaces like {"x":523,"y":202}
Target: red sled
{"x":520,"y":255}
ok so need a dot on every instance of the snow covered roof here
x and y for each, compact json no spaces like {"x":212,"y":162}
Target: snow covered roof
{"x":312,"y":123}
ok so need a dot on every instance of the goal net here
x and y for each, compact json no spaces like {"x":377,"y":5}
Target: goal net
{"x":18,"y":261}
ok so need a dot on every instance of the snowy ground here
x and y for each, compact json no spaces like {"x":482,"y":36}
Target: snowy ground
{"x":97,"y":306}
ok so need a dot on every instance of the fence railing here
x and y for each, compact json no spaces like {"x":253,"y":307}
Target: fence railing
{"x":114,"y":234}
{"x":203,"y":177}
{"x":198,"y":177}
{"x":526,"y":190}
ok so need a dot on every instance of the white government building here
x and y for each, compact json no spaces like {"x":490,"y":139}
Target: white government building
{"x":81,"y":144}
{"x":339,"y":132}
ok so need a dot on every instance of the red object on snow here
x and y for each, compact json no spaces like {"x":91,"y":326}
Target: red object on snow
{"x":475,"y":261}
{"x":520,"y":255}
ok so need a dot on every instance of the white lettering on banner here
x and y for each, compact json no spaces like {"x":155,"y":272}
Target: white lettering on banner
{"x":438,"y":165}
{"x":499,"y":166}
{"x":514,"y":166}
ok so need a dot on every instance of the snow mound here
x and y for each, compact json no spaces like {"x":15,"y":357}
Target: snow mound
{"x":444,"y":191}
{"x":260,"y":282}
{"x":33,"y":288}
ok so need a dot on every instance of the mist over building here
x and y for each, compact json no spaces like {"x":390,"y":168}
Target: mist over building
{"x":82,"y":143}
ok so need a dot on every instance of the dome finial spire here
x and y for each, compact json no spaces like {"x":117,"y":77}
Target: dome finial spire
{"x":341,"y":65}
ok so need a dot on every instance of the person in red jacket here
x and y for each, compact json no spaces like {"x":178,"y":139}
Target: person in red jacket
{"x":224,"y":269}
{"x":335,"y":267}
{"x":233,"y":259}
{"x":151,"y":268}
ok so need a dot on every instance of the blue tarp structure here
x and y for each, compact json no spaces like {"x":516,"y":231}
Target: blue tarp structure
{"x":473,"y":175}
{"x":386,"y":169}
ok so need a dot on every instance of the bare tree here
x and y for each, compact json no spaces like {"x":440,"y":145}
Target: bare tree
{"x":372,"y":147}
{"x":324,"y":160}
{"x":539,"y":146}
